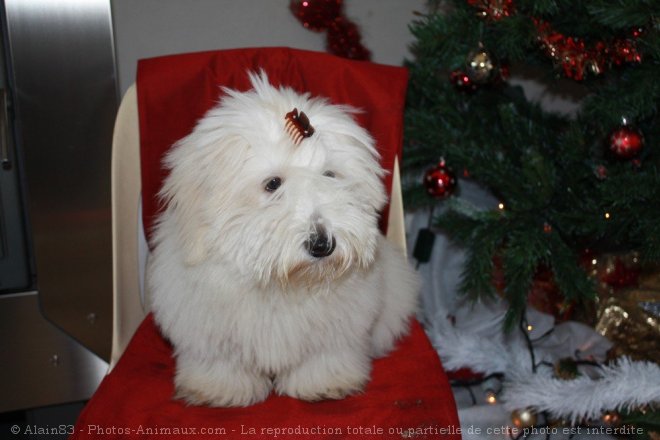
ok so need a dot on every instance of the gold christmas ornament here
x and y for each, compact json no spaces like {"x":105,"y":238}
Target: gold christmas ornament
{"x":623,"y":320}
{"x":480,"y":66}
{"x":628,"y":316}
{"x":627,"y":306}
{"x":523,"y":418}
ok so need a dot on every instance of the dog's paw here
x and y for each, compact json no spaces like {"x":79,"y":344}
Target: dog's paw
{"x":325,"y":377}
{"x":221,"y":389}
{"x":315,"y":394}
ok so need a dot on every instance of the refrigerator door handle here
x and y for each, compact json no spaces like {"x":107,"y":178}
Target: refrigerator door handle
{"x":4,"y":132}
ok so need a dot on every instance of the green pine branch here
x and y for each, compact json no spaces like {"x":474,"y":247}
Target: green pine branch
{"x":562,"y":190}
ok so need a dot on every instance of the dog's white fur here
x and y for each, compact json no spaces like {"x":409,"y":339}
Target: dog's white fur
{"x":232,"y":284}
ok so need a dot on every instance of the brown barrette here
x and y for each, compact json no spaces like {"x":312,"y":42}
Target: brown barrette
{"x":298,"y":126}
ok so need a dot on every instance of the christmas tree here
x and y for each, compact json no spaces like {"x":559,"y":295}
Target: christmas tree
{"x":570,"y":187}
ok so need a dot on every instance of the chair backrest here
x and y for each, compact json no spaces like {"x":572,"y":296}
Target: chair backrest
{"x":173,"y":92}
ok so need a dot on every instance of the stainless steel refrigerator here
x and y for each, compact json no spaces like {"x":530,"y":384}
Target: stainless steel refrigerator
{"x":58,"y":99}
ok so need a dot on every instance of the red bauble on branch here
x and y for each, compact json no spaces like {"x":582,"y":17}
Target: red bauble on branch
{"x":462,"y":81}
{"x":600,"y":171}
{"x":625,"y":142}
{"x":343,"y":36}
{"x":439,"y":181}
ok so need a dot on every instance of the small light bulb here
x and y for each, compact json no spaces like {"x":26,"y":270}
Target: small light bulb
{"x":530,"y":327}
{"x":607,"y":215}
{"x":594,"y":262}
{"x":501,"y":206}
{"x":610,"y":418}
{"x":491,"y":397}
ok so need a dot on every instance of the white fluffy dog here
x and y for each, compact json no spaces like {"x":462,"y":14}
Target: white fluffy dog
{"x":269,"y":272}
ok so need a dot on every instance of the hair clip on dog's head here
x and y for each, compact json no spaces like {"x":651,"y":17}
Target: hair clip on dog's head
{"x":297,"y":126}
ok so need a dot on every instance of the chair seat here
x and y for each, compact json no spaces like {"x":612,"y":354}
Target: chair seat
{"x":408,"y":391}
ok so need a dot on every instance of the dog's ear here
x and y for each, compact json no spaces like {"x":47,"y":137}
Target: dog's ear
{"x":183,"y":192}
{"x":192,"y":230}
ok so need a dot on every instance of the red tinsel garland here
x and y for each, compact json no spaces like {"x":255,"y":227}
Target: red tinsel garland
{"x":571,"y":53}
{"x":576,"y":59}
{"x":343,"y":37}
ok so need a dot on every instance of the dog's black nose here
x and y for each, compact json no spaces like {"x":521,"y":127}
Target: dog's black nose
{"x":320,"y":245}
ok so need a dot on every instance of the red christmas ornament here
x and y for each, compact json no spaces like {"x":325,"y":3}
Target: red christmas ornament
{"x":625,"y":142}
{"x":504,"y":72}
{"x":462,"y":81}
{"x":440,"y":181}
{"x":601,"y":172}
{"x":621,"y":275}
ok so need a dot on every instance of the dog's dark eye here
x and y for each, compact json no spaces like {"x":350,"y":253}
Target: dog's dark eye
{"x":329,"y":174}
{"x":273,"y":183}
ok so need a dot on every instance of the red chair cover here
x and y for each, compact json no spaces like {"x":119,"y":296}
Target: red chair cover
{"x":408,"y":395}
